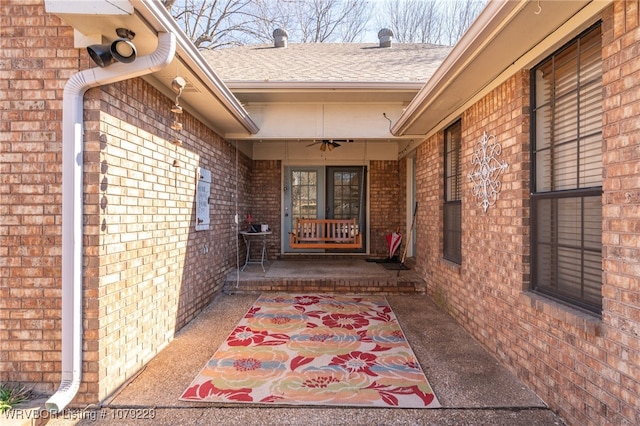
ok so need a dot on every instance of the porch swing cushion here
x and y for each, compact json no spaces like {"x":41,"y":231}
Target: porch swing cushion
{"x":325,"y":234}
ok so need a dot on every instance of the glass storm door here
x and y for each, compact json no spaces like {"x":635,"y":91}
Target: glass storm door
{"x":346,"y":197}
{"x":303,"y":198}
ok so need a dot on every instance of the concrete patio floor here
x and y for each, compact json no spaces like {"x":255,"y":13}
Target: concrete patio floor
{"x":472,"y":387}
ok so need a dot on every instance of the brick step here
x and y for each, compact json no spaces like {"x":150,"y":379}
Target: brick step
{"x":323,"y":275}
{"x":384,"y":286}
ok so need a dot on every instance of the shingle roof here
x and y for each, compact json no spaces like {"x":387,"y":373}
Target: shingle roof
{"x":328,"y":62}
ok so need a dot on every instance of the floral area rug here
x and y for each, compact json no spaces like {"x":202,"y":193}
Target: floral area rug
{"x":315,"y":350}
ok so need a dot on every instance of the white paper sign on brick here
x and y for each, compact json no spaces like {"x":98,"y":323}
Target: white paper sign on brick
{"x":203,"y":191}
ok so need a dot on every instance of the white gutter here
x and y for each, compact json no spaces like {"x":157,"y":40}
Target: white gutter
{"x":72,"y":204}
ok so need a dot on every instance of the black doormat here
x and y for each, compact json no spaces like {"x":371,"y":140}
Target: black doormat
{"x":392,"y":264}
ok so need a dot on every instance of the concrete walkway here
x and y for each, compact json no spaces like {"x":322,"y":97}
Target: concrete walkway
{"x":469,"y":383}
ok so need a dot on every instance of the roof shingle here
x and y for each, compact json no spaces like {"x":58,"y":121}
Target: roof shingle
{"x":328,"y":62}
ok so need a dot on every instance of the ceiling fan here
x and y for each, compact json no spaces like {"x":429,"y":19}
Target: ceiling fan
{"x":329,"y":143}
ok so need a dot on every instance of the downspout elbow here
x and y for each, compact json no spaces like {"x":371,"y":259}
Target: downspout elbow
{"x":72,"y":204}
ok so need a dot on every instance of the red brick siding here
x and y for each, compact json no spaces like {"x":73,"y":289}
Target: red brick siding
{"x":585,"y":368}
{"x":617,"y":368}
{"x":265,"y":201}
{"x":401,"y":212}
{"x":430,"y":197}
{"x":37,"y":57}
{"x":386,"y":208}
{"x":148,"y":271}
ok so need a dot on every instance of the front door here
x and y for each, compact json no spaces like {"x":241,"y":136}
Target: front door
{"x":346,"y":197}
{"x":323,"y":193}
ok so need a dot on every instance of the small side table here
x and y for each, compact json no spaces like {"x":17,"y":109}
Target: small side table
{"x":246,"y":236}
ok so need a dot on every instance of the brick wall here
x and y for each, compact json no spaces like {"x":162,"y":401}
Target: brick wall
{"x":621,"y":214}
{"x":265,"y":203}
{"x":148,"y":271}
{"x":36,"y":60}
{"x":430,"y":196}
{"x":386,"y":208}
{"x":584,"y":367}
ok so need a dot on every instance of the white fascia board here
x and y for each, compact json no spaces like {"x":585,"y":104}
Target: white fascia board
{"x":324,"y":85}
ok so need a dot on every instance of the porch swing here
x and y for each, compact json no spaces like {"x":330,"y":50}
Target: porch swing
{"x":325,"y":234}
{"x":329,"y":233}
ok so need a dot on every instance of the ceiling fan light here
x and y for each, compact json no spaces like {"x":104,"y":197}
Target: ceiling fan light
{"x":323,"y":146}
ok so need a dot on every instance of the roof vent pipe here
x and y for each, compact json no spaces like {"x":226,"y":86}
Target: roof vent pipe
{"x":280,"y":37}
{"x":385,"y":36}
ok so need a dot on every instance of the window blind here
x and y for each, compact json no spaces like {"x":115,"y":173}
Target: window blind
{"x":567,"y":153}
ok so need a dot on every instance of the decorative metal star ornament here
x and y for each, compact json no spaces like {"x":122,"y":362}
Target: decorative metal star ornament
{"x":486,"y":171}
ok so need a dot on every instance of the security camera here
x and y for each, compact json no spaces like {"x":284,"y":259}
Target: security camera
{"x":120,"y":50}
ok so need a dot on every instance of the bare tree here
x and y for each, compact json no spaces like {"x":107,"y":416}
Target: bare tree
{"x":212,"y":23}
{"x":429,"y":21}
{"x":321,"y":21}
{"x":219,"y":23}
{"x":412,"y":21}
{"x":354,"y":27}
{"x":457,"y":16}
{"x":269,"y":16}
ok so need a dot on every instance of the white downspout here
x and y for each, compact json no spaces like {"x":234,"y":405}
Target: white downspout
{"x":72,"y":204}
